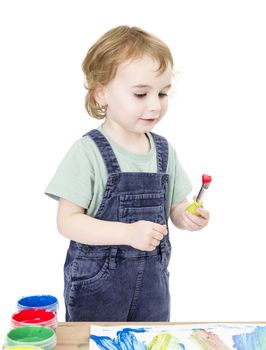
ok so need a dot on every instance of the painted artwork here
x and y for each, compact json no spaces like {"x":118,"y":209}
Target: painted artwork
{"x":180,"y":337}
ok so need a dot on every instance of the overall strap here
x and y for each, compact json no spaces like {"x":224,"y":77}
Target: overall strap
{"x":106,"y":151}
{"x":162,"y":152}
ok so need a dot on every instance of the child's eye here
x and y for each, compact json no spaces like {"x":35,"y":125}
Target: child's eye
{"x":140,"y":95}
{"x":162,"y":94}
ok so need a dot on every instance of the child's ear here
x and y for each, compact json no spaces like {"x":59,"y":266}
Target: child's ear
{"x":100,"y":95}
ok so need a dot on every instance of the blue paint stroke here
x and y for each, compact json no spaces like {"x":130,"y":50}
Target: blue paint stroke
{"x":125,"y":340}
{"x":251,"y":341}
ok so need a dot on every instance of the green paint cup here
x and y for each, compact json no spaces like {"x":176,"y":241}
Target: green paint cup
{"x":39,"y":336}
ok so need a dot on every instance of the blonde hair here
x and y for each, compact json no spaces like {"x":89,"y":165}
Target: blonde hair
{"x":114,"y":47}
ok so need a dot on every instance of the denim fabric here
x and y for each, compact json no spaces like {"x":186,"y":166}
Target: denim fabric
{"x":120,"y":283}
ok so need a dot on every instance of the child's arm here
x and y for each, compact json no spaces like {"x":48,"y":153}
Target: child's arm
{"x":74,"y":224}
{"x":183,"y":219}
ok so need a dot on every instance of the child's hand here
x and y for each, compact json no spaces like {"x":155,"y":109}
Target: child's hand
{"x":195,"y":223}
{"x":146,"y":235}
{"x":183,"y":219}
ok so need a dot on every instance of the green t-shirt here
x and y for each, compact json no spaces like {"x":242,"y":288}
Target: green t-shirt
{"x":81,"y":177}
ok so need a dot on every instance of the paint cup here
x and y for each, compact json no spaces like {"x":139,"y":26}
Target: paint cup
{"x":39,"y":336}
{"x":47,"y":302}
{"x":22,"y":347}
{"x":36,"y":317}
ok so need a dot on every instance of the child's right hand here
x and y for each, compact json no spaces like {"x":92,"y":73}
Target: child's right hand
{"x":146,"y":235}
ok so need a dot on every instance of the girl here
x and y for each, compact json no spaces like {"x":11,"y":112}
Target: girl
{"x":118,"y":185}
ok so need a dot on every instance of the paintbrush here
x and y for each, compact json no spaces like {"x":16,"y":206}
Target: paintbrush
{"x":198,"y":202}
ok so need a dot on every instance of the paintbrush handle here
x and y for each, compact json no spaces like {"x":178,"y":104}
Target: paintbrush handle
{"x":201,"y":194}
{"x":193,"y":207}
{"x":197,"y":203}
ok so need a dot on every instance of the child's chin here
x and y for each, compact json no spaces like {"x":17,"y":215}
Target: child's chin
{"x":148,"y":126}
{"x":146,"y":129}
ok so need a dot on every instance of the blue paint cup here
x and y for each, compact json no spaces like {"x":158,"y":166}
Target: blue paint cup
{"x":47,"y":302}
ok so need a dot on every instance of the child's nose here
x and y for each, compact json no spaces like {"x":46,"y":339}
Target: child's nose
{"x":154,"y":104}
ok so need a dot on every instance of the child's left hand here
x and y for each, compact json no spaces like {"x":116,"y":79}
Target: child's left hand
{"x":183,"y":219}
{"x":195,"y":223}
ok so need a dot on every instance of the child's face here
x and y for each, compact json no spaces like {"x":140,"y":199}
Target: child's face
{"x":137,"y":97}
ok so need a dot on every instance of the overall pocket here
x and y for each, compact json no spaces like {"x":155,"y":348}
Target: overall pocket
{"x":146,"y":206}
{"x":89,"y":269}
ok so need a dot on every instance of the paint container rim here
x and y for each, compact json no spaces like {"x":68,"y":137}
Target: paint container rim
{"x":20,"y":347}
{"x":38,"y":317}
{"x":22,"y":335}
{"x":38,"y":301}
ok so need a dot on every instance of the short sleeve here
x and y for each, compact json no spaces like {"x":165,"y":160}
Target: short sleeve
{"x":180,"y":184}
{"x":74,"y":178}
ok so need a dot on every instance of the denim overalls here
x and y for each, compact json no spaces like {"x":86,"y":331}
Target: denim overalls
{"x":121,"y":283}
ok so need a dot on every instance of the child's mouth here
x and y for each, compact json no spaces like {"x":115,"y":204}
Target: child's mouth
{"x":148,"y":120}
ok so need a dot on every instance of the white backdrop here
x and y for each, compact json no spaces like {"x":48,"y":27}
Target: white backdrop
{"x":215,"y":121}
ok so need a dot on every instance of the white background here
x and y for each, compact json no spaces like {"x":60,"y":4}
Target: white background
{"x":215,"y":121}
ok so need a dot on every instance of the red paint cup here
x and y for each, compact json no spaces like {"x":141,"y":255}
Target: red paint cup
{"x":37,"y":317}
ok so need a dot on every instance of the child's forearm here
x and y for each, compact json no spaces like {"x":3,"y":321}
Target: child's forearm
{"x":87,"y":230}
{"x":73,"y":223}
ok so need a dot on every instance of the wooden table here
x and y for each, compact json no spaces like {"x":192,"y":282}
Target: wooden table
{"x":72,"y":335}
{"x":75,"y":335}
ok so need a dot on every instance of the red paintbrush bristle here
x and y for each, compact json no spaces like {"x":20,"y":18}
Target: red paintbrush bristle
{"x":206,"y":180}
